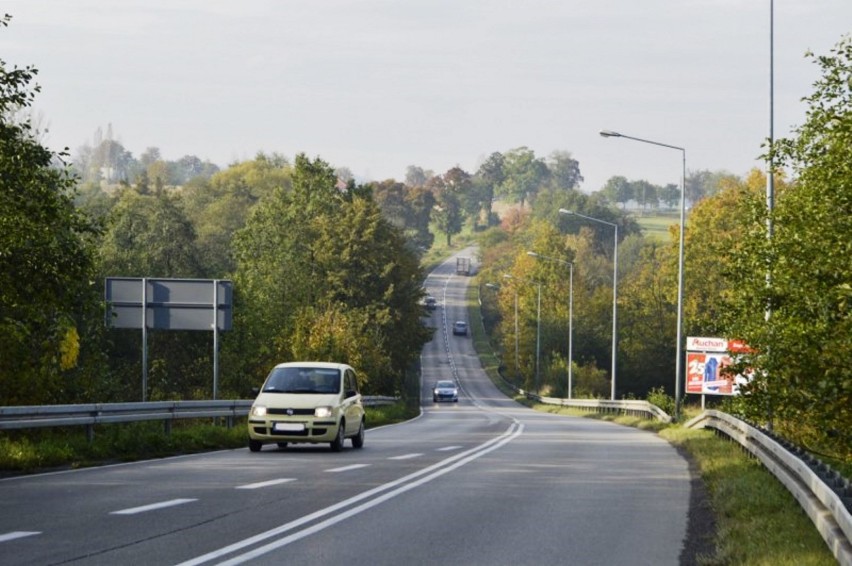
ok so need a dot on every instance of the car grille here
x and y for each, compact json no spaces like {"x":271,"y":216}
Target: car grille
{"x":289,"y":411}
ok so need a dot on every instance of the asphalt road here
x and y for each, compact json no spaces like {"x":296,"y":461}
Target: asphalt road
{"x":481,"y":481}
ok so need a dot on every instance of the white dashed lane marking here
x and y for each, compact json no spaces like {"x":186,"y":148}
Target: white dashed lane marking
{"x":152,"y":507}
{"x":17,"y":534}
{"x":405,"y":457}
{"x":347,"y":468}
{"x":265,"y":483}
{"x":448,"y":448}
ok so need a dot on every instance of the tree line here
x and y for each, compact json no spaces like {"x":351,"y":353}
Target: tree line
{"x":785,"y":291}
{"x":327,"y":268}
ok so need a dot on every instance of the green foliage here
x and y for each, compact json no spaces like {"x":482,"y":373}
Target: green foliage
{"x":448,"y":214}
{"x":657,"y":396}
{"x":148,"y":236}
{"x":320,"y":273}
{"x":524,"y":175}
{"x":802,"y":353}
{"x":45,"y":255}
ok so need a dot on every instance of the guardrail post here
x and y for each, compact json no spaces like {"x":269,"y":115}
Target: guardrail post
{"x":90,"y":433}
{"x":167,"y":427}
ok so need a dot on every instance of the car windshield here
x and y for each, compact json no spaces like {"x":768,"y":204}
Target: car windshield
{"x":302,"y":380}
{"x":444,"y":384}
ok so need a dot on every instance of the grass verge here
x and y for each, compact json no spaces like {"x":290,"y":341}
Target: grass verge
{"x":38,"y":450}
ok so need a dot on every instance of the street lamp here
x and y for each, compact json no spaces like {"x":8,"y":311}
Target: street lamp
{"x":570,"y":265}
{"x":537,"y":329}
{"x":614,"y":291}
{"x":678,"y":349}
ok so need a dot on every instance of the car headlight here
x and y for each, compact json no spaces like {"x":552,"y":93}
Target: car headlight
{"x":258,"y":411}
{"x":323,"y":412}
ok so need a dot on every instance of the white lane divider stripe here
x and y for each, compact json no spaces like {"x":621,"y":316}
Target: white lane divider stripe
{"x":265,"y":483}
{"x":17,"y":534}
{"x":346,"y":468}
{"x":405,"y":457}
{"x":448,"y":448}
{"x":152,"y":507}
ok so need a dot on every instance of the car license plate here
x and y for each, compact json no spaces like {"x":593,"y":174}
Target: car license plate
{"x":288,"y":427}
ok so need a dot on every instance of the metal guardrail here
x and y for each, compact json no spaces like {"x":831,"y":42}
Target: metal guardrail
{"x":821,"y":503}
{"x":633,"y":407}
{"x":89,"y":415}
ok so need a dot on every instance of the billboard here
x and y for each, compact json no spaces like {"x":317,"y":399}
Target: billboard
{"x":169,"y":304}
{"x":706,"y":359}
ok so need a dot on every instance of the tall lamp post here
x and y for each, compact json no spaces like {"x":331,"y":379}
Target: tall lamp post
{"x":537,"y":327}
{"x":679,"y":348}
{"x":570,"y":315}
{"x":614,"y":291}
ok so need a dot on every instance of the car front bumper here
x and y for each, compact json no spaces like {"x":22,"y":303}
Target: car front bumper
{"x":276,"y":429}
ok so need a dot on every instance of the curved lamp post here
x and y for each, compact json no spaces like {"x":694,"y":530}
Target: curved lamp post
{"x":570,"y":315}
{"x":679,"y":352}
{"x":614,"y":291}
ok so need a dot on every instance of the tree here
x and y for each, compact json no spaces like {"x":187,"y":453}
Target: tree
{"x":220,"y":205}
{"x":447,"y":214}
{"x":618,"y":190}
{"x":460,"y":182}
{"x":670,"y":194}
{"x":417,"y":176}
{"x":524,"y":175}
{"x":487,"y":180}
{"x":149,"y":236}
{"x":645,"y":193}
{"x":316,"y":252}
{"x":46,"y":256}
{"x":564,"y":170}
{"x":801,"y":355}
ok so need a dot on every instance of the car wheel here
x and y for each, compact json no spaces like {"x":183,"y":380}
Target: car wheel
{"x":282,"y":445}
{"x":255,"y":445}
{"x":337,"y":443}
{"x":358,"y":439}
{"x":434,"y":399}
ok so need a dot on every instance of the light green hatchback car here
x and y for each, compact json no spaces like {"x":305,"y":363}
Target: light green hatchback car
{"x":312,"y":402}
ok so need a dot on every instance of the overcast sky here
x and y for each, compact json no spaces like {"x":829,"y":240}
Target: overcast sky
{"x":377,"y":85}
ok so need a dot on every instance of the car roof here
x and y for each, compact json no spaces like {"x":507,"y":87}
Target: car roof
{"x":320,"y":365}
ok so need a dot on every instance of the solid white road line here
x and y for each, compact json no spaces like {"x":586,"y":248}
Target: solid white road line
{"x":18,"y":534}
{"x":152,"y":507}
{"x":265,"y":483}
{"x":381,"y":493}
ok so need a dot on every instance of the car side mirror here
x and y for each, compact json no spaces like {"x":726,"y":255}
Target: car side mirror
{"x":351,"y":393}
{"x":255,"y":391}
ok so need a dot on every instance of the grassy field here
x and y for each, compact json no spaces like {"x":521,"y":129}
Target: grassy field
{"x":657,"y":226}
